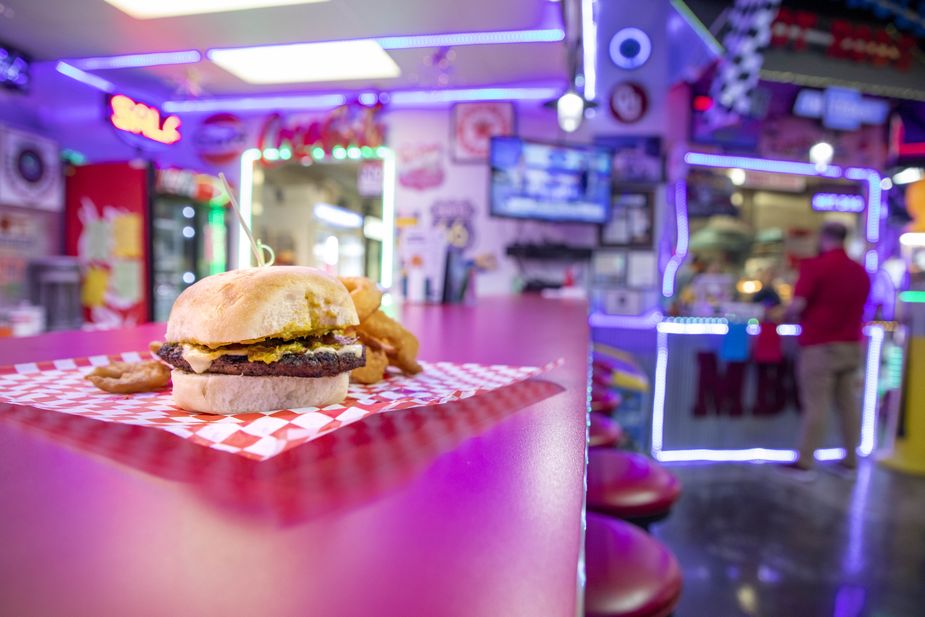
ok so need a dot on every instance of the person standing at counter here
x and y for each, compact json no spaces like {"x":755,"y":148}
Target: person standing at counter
{"x":829,"y":301}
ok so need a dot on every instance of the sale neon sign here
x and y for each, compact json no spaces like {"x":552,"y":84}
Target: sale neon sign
{"x":133,"y":117}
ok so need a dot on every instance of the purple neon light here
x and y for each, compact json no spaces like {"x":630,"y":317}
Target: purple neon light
{"x":328,"y":101}
{"x":874,"y":193}
{"x":448,"y":39}
{"x":872,"y":261}
{"x":128,"y":61}
{"x":659,"y":388}
{"x":747,"y":455}
{"x":674,"y":327}
{"x":646,"y":321}
{"x":784,"y":167}
{"x":437,"y":97}
{"x":307,"y":101}
{"x":681,"y":246}
{"x":85,"y":78}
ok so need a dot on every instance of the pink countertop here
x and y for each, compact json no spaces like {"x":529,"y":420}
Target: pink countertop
{"x":467,"y":509}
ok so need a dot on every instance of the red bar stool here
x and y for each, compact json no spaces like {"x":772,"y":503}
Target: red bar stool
{"x":630,"y":486}
{"x":629,"y":573}
{"x":603,"y":431}
{"x":604,"y":400}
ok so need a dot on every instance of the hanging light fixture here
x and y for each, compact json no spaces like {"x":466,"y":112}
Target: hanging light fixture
{"x":570,"y":109}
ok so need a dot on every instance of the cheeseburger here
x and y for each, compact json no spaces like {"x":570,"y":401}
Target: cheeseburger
{"x":259,"y":339}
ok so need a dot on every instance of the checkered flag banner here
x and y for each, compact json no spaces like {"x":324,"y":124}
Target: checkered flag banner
{"x":737,"y":74}
{"x":59,"y":386}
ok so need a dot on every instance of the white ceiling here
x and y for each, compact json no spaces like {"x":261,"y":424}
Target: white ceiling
{"x":55,"y":29}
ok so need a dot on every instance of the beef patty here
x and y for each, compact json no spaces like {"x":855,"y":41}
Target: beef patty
{"x":314,"y":364}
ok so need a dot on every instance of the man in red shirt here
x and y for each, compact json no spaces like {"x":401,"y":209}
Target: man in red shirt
{"x":829,"y":300}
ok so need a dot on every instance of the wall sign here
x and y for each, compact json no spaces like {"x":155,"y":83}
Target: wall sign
{"x":838,"y":202}
{"x":839,"y":38}
{"x":628,"y":102}
{"x":630,"y":48}
{"x":30,"y":171}
{"x":348,"y":125}
{"x":420,"y":166}
{"x":220,"y":139}
{"x":138,"y":118}
{"x":474,"y":124}
{"x":840,"y":108}
{"x":15,"y":69}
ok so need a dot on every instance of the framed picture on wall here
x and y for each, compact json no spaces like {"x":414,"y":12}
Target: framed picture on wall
{"x":636,"y":159}
{"x":474,"y":124}
{"x":631,"y":221}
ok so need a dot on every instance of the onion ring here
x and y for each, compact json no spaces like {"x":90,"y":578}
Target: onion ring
{"x":364,"y":293}
{"x":376,"y":363}
{"x":130,"y":377}
{"x":380,"y":326}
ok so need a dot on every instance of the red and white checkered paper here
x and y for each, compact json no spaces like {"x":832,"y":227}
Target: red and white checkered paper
{"x":60,"y":386}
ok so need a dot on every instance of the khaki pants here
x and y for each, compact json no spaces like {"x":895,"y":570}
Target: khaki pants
{"x":829,"y":374}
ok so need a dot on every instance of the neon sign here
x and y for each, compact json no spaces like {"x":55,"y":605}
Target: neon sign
{"x":837,"y":202}
{"x":140,"y":119}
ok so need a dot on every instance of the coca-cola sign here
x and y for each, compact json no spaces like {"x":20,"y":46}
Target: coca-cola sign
{"x":348,"y":125}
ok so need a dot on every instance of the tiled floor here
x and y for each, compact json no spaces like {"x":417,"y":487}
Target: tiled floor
{"x":754,"y":541}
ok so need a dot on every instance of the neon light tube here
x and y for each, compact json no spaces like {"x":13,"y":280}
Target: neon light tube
{"x":669,"y":276}
{"x":455,"y":39}
{"x":256,"y":103}
{"x":659,"y":391}
{"x":432,"y":97}
{"x":629,"y":322}
{"x":912,"y":297}
{"x":128,"y":61}
{"x":747,"y":455}
{"x":873,"y":199}
{"x":589,"y":48}
{"x":754,"y":164}
{"x":669,"y":327}
{"x":388,"y":215}
{"x":85,"y":78}
{"x":245,"y":201}
{"x":871,"y":379}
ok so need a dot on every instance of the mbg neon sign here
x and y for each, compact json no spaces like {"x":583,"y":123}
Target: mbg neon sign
{"x":137,"y":118}
{"x":837,"y":202}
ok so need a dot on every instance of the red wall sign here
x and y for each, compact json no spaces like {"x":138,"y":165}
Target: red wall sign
{"x":344,"y":126}
{"x":106,"y":228}
{"x":628,"y":102}
{"x":140,"y":119}
{"x":840,"y":38}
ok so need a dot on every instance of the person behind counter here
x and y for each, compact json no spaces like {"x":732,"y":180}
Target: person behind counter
{"x":829,"y":301}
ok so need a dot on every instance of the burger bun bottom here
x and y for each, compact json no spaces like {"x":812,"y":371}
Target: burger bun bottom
{"x":231,"y":394}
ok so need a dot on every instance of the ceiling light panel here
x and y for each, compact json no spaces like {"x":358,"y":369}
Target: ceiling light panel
{"x":154,"y":9}
{"x":307,"y":62}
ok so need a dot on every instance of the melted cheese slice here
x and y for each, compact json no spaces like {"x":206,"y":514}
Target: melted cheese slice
{"x":200,"y":359}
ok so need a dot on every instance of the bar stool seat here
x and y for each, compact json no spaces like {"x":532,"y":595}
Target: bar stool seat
{"x":629,"y":573}
{"x":629,"y":486}
{"x":603,"y":431}
{"x":604,"y":400}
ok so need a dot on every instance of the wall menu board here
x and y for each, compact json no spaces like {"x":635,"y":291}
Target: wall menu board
{"x":15,"y":69}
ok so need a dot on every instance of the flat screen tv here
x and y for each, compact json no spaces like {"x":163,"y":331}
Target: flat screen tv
{"x":531,"y":180}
